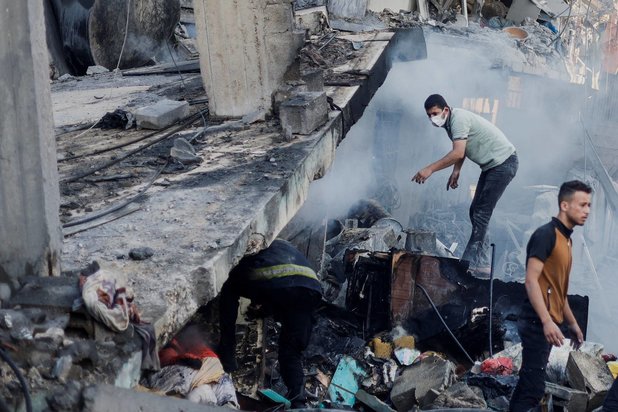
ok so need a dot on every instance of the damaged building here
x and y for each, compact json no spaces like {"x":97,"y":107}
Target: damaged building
{"x":147,"y":146}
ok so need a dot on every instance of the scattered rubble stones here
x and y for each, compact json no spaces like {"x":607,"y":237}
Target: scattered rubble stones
{"x":460,"y":395}
{"x":95,"y":70}
{"x":67,"y":398}
{"x":62,"y":369}
{"x":416,"y":382}
{"x":141,"y":253}
{"x":184,"y":152}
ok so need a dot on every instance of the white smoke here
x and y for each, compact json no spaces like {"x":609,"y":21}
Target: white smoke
{"x":540,"y":116}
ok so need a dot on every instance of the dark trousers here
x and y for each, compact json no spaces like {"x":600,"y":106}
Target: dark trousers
{"x":293,"y":307}
{"x":531,"y":386}
{"x":489,"y":189}
{"x":295,"y":313}
{"x":611,"y":401}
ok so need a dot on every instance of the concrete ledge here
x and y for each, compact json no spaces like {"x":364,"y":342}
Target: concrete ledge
{"x":249,"y":186}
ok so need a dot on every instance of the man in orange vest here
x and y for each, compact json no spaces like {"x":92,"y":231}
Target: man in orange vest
{"x":549,"y":259}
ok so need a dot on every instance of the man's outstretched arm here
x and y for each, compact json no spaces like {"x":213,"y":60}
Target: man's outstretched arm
{"x":457,"y":154}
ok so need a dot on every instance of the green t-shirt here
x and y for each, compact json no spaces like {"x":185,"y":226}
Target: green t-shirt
{"x":486,"y":145}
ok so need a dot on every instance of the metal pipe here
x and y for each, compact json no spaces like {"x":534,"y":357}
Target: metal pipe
{"x":491,"y":298}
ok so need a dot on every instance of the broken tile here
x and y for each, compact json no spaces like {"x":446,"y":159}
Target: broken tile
{"x":406,"y":356}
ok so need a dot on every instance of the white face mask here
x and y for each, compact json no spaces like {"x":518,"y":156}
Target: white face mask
{"x":438,"y":120}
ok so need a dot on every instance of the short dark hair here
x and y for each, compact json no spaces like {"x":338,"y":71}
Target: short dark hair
{"x":435,"y":100}
{"x":569,"y":188}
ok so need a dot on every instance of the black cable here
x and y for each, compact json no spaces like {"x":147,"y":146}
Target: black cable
{"x":109,"y":149}
{"x":119,"y":206}
{"x":20,"y":377}
{"x":444,"y":323}
{"x":130,"y":153}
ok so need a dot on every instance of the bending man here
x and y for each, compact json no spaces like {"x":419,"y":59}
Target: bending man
{"x":281,"y":280}
{"x":479,"y":140}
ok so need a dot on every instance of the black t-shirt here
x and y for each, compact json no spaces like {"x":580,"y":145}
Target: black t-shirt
{"x":543,"y":240}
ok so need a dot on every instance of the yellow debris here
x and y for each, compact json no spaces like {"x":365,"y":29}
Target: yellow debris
{"x":613,"y":367}
{"x":381,"y":349}
{"x":405,"y":342}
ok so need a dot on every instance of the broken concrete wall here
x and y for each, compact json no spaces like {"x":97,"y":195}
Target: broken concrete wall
{"x":245,"y":48}
{"x":29,"y":195}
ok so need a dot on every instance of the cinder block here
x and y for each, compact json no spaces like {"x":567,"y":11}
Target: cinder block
{"x":589,"y":374}
{"x":304,"y":112}
{"x":161,"y":114}
{"x":569,"y":399}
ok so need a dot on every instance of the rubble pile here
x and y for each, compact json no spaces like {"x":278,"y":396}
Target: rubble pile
{"x":54,"y":339}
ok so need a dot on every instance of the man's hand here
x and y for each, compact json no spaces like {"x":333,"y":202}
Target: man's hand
{"x":422,"y":175}
{"x":552,"y":333}
{"x":577,"y":337}
{"x":452,"y":181}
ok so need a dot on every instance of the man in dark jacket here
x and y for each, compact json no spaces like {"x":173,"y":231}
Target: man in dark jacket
{"x":281,"y":280}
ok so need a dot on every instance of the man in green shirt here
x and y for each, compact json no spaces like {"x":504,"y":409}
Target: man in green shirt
{"x":483,"y":143}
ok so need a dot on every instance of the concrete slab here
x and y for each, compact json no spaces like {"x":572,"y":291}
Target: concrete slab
{"x":161,"y":114}
{"x":589,"y":374}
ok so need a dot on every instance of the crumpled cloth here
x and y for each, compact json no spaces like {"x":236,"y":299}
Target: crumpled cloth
{"x":497,"y":366}
{"x":183,"y":380}
{"x":109,"y":300}
{"x":150,"y":357}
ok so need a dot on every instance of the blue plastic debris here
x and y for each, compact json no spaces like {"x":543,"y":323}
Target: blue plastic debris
{"x":275,"y":397}
{"x":345,"y":382}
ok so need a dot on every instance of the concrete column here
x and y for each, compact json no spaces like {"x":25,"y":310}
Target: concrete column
{"x":30,"y":233}
{"x":245,"y":48}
